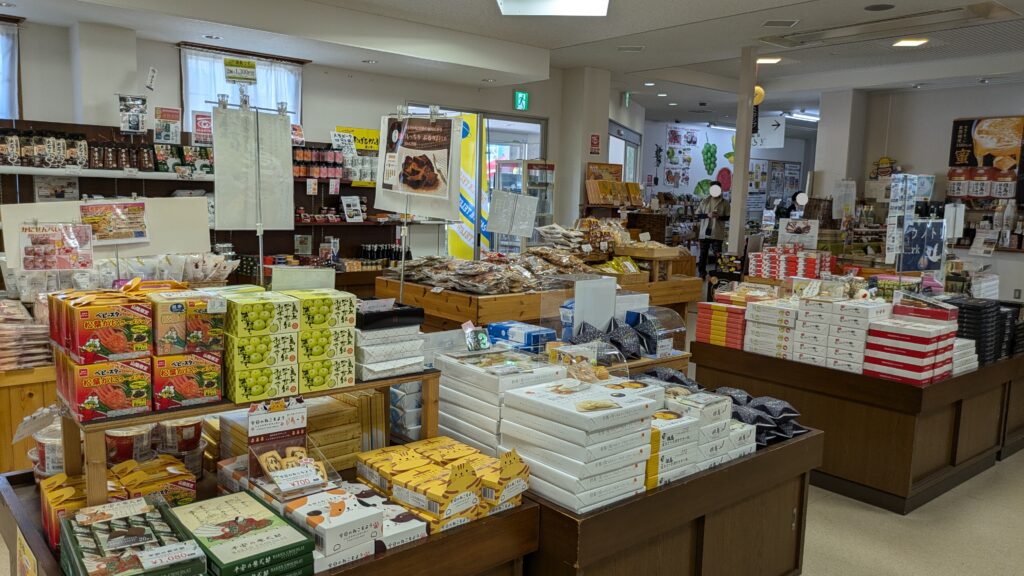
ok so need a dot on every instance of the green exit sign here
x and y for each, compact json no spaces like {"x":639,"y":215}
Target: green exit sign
{"x":522,"y":100}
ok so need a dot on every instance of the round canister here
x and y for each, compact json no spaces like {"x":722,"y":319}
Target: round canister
{"x":181,"y":435}
{"x":49,"y":449}
{"x":131,"y":443}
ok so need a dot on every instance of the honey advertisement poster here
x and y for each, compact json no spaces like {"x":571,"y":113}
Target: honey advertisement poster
{"x":994,"y":143}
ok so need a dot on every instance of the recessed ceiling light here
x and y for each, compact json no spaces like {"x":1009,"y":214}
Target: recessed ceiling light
{"x":879,"y":7}
{"x":673,"y":104}
{"x":369,"y":61}
{"x":769,"y":60}
{"x":917,"y":86}
{"x":207,"y":36}
{"x":910,"y":42}
{"x":983,"y":80}
{"x":662,"y":95}
{"x":648,"y":84}
{"x":8,"y":5}
{"x":553,"y":7}
{"x":489,"y":80}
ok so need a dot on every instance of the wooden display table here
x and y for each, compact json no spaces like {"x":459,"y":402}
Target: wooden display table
{"x":95,"y":444}
{"x":679,"y":362}
{"x":889,"y":444}
{"x":22,"y":392}
{"x":447,"y":309}
{"x":492,"y":546}
{"x":745,"y":517}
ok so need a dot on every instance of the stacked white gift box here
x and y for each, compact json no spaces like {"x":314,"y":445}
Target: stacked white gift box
{"x":390,"y":352}
{"x":770,"y":327}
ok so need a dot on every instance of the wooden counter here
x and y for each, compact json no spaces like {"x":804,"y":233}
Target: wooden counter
{"x":22,"y":392}
{"x":745,"y":517}
{"x":447,"y":310}
{"x":889,"y":444}
{"x":491,"y":546}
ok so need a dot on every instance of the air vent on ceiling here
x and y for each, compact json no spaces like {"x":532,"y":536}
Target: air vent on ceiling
{"x":780,"y":23}
{"x":701,"y":111}
{"x":910,"y":25}
{"x":631,"y":48}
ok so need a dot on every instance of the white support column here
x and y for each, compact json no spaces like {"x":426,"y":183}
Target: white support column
{"x":741,"y":172}
{"x":840,"y":147}
{"x":584,"y":112}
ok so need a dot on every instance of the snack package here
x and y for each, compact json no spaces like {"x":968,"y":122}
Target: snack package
{"x":105,"y":389}
{"x":324,"y":308}
{"x":261,"y":314}
{"x":243,"y":386}
{"x":187,"y":321}
{"x":186,"y":380}
{"x":108,"y":326}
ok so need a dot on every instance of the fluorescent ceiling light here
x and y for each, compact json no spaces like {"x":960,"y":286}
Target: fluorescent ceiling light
{"x":553,"y":7}
{"x":729,"y":128}
{"x":673,"y":104}
{"x":769,"y":60}
{"x":662,"y":95}
{"x":648,"y":84}
{"x":802,"y":116}
{"x":910,"y":42}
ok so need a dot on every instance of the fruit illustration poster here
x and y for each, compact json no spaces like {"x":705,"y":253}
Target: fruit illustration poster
{"x":418,"y":156}
{"x":116,"y":222}
{"x":689,"y":159}
{"x":56,"y":247}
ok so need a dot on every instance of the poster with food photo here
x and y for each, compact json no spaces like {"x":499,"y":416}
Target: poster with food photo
{"x":418,"y":155}
{"x":167,"y":129}
{"x":799,"y":232}
{"x":115,"y":222}
{"x":56,"y":247}
{"x":133,"y":113}
{"x":992,"y":143}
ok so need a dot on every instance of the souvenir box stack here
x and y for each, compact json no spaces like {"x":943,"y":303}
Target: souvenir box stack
{"x":261,"y":354}
{"x":521,"y":336}
{"x":586,"y":444}
{"x":472,"y":387}
{"x":979,"y":321}
{"x":326,"y":339}
{"x":847,"y":337}
{"x":908,"y":351}
{"x":721,"y":324}
{"x":770,"y":328}
{"x":786,"y":262}
{"x":389,"y":344}
{"x":965,"y":356}
{"x":343,"y":528}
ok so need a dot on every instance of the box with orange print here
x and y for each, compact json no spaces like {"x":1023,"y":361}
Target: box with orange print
{"x":186,"y":380}
{"x":106,"y":389}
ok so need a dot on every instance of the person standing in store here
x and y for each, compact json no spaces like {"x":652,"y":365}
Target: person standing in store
{"x":714,"y":213}
{"x":786,"y":211}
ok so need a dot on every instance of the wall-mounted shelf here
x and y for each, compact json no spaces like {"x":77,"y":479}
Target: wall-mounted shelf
{"x":90,"y":173}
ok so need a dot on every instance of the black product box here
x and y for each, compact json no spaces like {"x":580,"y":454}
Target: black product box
{"x":398,"y":317}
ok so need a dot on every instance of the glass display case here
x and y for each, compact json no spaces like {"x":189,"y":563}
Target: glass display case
{"x":534,"y":178}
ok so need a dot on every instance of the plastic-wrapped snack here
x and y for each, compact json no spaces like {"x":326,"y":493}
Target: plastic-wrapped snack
{"x":588,"y":333}
{"x":170,"y":267}
{"x":193,"y":271}
{"x":675,"y":377}
{"x":764,"y":436}
{"x":753,"y":416}
{"x":626,"y":340}
{"x":539,"y":266}
{"x":649,"y":332}
{"x":107,"y":269}
{"x":141,"y":267}
{"x":739,"y":397}
{"x":779,"y":410}
{"x":790,"y":429}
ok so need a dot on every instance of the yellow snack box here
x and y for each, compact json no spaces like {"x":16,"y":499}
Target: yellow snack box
{"x":243,"y":386}
{"x":261,"y":313}
{"x":503,"y":479}
{"x":438,"y":491}
{"x":442,"y":450}
{"x":435,"y":525}
{"x":324,"y":308}
{"x":378,"y":467}
{"x":324,"y":343}
{"x":251,"y":352}
{"x":327,"y":374}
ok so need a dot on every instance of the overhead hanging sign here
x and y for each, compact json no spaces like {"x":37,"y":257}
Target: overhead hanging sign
{"x":771,"y":133}
{"x":240,"y":70}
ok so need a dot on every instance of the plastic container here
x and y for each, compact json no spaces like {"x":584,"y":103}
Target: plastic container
{"x":178,"y":436}
{"x":193,"y":459}
{"x":132,"y":443}
{"x":50,"y":449}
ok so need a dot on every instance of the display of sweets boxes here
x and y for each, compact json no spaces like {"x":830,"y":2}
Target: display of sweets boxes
{"x":386,"y":335}
{"x":590,"y":500}
{"x":405,"y":399}
{"x":326,"y":343}
{"x":243,"y":386}
{"x":261,"y":314}
{"x":721,"y":324}
{"x":389,"y":368}
{"x":498,"y":370}
{"x":528,"y":335}
{"x":321,"y":308}
{"x":399,"y":526}
{"x":187,"y":321}
{"x":129,"y":537}
{"x":384,"y":352}
{"x":326,"y":374}
{"x":249,"y":352}
{"x":400,"y":315}
{"x":186,"y":380}
{"x":239,"y":534}
{"x":579,"y":404}
{"x":105,"y":389}
{"x":336,"y":519}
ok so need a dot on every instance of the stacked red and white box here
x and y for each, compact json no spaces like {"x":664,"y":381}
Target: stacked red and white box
{"x":721,"y":324}
{"x":909,"y":351}
{"x":770,"y":328}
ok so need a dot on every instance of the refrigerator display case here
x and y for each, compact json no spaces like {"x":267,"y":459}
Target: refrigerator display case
{"x":534,"y":178}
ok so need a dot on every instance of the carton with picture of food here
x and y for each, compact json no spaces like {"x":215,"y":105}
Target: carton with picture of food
{"x":107,"y":389}
{"x":108,"y":326}
{"x":378,"y":467}
{"x":324,"y":308}
{"x":172,"y":481}
{"x":327,"y":374}
{"x":580,"y":405}
{"x":187,"y":321}
{"x":261,"y":314}
{"x":243,"y":386}
{"x":186,"y":380}
{"x":324,"y":343}
{"x":263,"y":351}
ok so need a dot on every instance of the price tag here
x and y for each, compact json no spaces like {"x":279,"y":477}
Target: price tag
{"x":645,"y":236}
{"x":587,"y":248}
{"x":437,"y":289}
{"x":217,"y":306}
{"x":310,"y":186}
{"x":72,"y":169}
{"x":131,"y":172}
{"x":604,"y":246}
{"x":170,"y":554}
{"x":382,"y":305}
{"x":335,"y":187}
{"x":296,"y":478}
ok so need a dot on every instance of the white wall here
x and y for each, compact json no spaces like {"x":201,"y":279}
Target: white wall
{"x":632,"y":117}
{"x":103,"y":65}
{"x":167,"y":60}
{"x":45,"y":73}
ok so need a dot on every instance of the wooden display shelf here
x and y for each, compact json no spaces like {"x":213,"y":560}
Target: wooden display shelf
{"x":893,"y":445}
{"x":22,"y":392}
{"x":648,"y":253}
{"x":95,"y":451}
{"x":491,"y":546}
{"x":745,"y":517}
{"x":680,"y":361}
{"x":95,"y":173}
{"x":448,"y":309}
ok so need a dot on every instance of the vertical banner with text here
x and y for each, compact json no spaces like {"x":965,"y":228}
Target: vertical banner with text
{"x":460,"y":234}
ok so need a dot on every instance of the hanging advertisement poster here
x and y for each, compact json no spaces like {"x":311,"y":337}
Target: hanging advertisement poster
{"x":202,"y":129}
{"x":167,"y":129}
{"x":298,"y":137}
{"x":798,"y":232}
{"x":924,"y":243}
{"x":240,"y":70}
{"x":460,"y":234}
{"x":418,"y":156}
{"x":55,"y":188}
{"x":133,"y":113}
{"x":116,"y":222}
{"x":994,"y":143}
{"x":56,"y":247}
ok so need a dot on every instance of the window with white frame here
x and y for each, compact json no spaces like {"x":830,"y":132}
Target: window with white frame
{"x":202,"y":79}
{"x":8,"y":70}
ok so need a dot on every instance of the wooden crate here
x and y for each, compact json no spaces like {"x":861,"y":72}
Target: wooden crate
{"x":624,"y":278}
{"x":647,"y":252}
{"x":22,"y":392}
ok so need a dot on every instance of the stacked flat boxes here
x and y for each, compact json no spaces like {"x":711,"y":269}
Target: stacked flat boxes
{"x":910,"y":350}
{"x":965,"y":356}
{"x":771,"y":328}
{"x":783,"y":263}
{"x":721,"y":324}
{"x":849,"y":333}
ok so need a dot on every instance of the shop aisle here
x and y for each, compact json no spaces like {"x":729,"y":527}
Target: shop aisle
{"x":974,"y":529}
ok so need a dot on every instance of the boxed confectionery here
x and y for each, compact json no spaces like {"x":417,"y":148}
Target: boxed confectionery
{"x":336,"y":519}
{"x":389,"y":369}
{"x":243,"y":386}
{"x":441,"y":450}
{"x":668,"y":476}
{"x":482,"y":422}
{"x":583,"y":502}
{"x":514,"y":433}
{"x":406,"y":398}
{"x":551,"y":458}
{"x":812,"y":337}
{"x":652,"y":392}
{"x":905,"y":376}
{"x":706,"y":408}
{"x":911,"y":335}
{"x":325,"y":343}
{"x":105,"y":389}
{"x":711,"y":450}
{"x":458,"y":398}
{"x":870,"y":309}
{"x":503,"y":478}
{"x":857,"y":357}
{"x":468,"y":434}
{"x":812,"y":327}
{"x":438,"y":491}
{"x":741,"y":452}
{"x":858,"y":322}
{"x":322,"y":563}
{"x":233,"y":473}
{"x":713,"y":432}
{"x":406,"y":418}
{"x":321,"y":308}
{"x":574,"y":484}
{"x":102,"y":327}
{"x":818,"y":317}
{"x":822,"y":304}
{"x":845,"y":344}
{"x":811,"y":349}
{"x":674,"y":458}
{"x":261,"y":314}
{"x":386,"y":335}
{"x":497,"y":370}
{"x":186,"y":380}
{"x":249,"y":352}
{"x":377,"y":467}
{"x":187,"y":321}
{"x":239,"y":533}
{"x":814,"y":359}
{"x":579,"y":404}
{"x":670,"y":429}
{"x":845,"y":365}
{"x":916,"y":306}
{"x":570,"y":433}
{"x":398,"y":316}
{"x":740,"y":435}
{"x":385,"y":352}
{"x":529,"y":335}
{"x":400,"y":526}
{"x":840,"y":331}
{"x":772,"y":310}
{"x":326,"y":374}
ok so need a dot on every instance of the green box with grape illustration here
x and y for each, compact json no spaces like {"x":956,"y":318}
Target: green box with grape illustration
{"x":243,"y":386}
{"x":324,"y":343}
{"x":261,"y":314}
{"x":249,"y":352}
{"x":327,"y":374}
{"x":324,"y":308}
